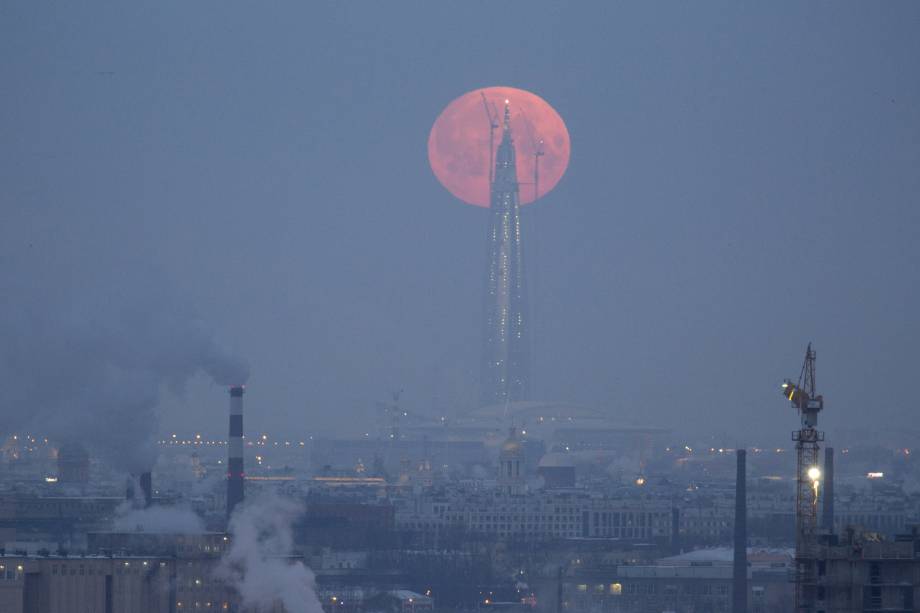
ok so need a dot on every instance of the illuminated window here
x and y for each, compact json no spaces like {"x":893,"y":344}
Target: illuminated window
{"x":616,"y":589}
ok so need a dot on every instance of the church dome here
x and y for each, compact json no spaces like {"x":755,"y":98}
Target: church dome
{"x":512,"y":445}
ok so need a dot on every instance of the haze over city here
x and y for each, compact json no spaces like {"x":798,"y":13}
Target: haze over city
{"x":199,"y":196}
{"x":743,"y":180}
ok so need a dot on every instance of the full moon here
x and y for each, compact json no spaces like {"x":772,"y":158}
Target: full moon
{"x":458,"y":146}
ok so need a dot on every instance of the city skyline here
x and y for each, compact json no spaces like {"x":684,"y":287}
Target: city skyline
{"x":256,"y":355}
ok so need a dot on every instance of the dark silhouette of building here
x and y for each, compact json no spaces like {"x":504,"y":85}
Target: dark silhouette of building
{"x":557,"y":470}
{"x":73,"y":463}
{"x":856,"y":573}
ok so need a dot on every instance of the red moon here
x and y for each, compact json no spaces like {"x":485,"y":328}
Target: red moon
{"x":458,"y":146}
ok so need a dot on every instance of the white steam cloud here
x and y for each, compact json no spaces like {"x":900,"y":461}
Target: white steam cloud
{"x":259,"y":563}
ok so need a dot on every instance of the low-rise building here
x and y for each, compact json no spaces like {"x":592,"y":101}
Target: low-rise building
{"x":694,"y":582}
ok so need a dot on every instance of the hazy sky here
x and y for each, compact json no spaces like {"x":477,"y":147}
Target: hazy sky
{"x":744,"y":179}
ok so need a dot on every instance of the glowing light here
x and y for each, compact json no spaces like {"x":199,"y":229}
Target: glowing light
{"x":874,"y":475}
{"x":640,"y":481}
{"x":51,"y":479}
{"x":814,"y":473}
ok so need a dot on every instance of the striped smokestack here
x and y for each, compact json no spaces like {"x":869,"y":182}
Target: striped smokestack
{"x":235,"y":451}
{"x":739,"y":573}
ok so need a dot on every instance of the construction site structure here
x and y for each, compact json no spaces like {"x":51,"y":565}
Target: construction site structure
{"x":805,"y":399}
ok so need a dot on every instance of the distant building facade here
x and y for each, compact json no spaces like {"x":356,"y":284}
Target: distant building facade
{"x":539,"y":516}
{"x":693,"y":583}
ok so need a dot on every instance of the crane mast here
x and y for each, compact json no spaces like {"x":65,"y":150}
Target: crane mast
{"x":805,"y":399}
{"x":492,"y":114}
{"x":536,"y":144}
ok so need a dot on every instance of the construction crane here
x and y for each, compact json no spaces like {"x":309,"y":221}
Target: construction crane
{"x":536,"y":144}
{"x":389,"y":414}
{"x":492,"y":114}
{"x":805,"y":399}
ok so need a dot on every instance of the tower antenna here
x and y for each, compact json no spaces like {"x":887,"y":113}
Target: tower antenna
{"x":492,"y":114}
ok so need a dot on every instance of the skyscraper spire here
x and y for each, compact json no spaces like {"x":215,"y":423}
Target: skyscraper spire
{"x":505,"y":369}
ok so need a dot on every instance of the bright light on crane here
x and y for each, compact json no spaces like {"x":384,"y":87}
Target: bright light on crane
{"x":814,"y":473}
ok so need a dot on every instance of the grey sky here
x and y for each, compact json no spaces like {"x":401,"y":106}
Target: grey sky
{"x":744,"y":179}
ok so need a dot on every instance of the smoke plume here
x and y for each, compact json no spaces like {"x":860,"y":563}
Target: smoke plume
{"x":90,"y":362}
{"x":259,"y":562}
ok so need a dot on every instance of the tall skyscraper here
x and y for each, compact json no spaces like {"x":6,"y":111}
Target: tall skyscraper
{"x":505,"y":372}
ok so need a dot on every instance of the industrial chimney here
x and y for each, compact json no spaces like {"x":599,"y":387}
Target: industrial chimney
{"x":739,"y":573}
{"x":827,"y":510}
{"x":146,"y":482}
{"x":235,"y":450}
{"x":675,"y":531}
